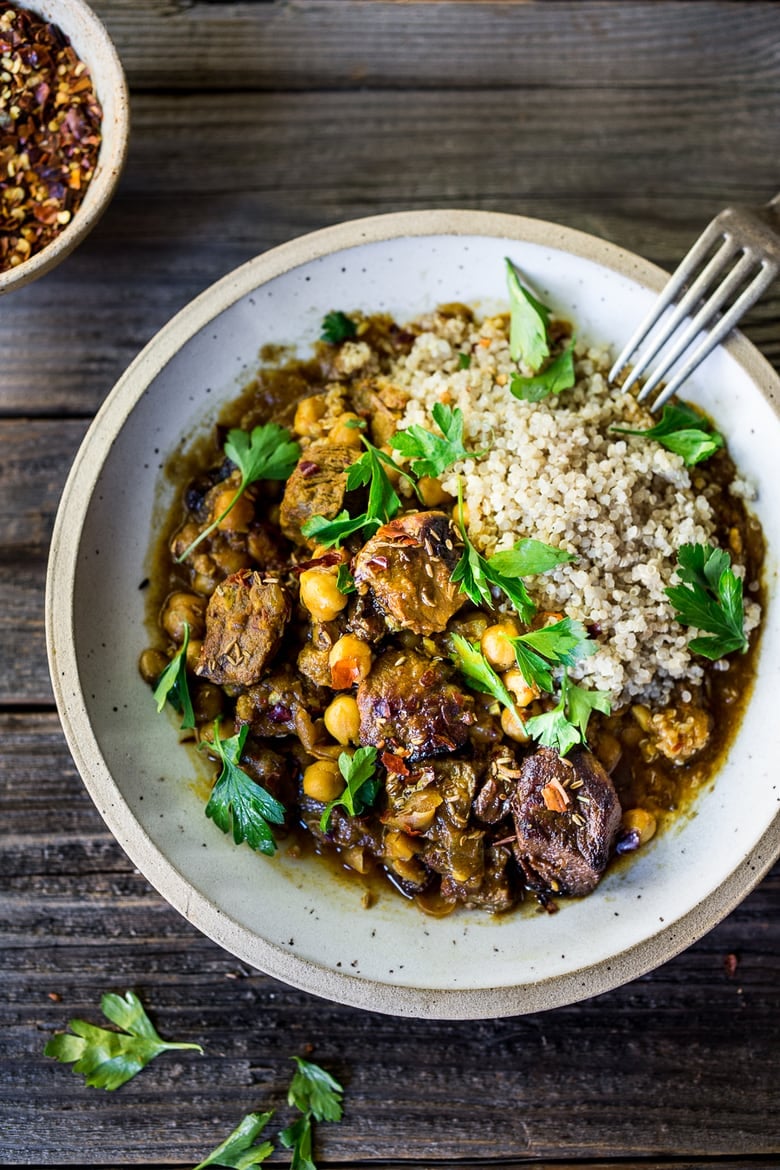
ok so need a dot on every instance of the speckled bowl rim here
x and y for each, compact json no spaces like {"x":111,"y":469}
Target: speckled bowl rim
{"x":71,"y":15}
{"x":205,"y":914}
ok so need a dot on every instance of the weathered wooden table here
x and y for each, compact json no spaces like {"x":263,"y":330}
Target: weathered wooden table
{"x":254,"y":122}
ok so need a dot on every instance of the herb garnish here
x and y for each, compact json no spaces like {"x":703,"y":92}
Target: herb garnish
{"x":238,"y":1150}
{"x":557,"y":376}
{"x":345,"y":582}
{"x":475,"y":574}
{"x":383,"y":501}
{"x":237,"y":802}
{"x":464,"y":361}
{"x":172,"y":685}
{"x":683,"y":431}
{"x":710,"y":599}
{"x":431,"y":454}
{"x":478,"y":672}
{"x":362,"y":784}
{"x":337,"y":327}
{"x":108,"y":1059}
{"x":562,"y":643}
{"x":267,"y":453}
{"x":528,"y":321}
{"x":566,"y":725}
{"x":318,"y":1096}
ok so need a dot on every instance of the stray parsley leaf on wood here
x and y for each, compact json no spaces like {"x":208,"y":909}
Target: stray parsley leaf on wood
{"x":238,"y":1150}
{"x":237,"y":802}
{"x":108,"y":1059}
{"x":362,"y":784}
{"x":172,"y":685}
{"x":268,"y":452}
{"x":710,"y":599}
{"x":557,"y":376}
{"x":565,"y":726}
{"x":683,"y":431}
{"x":430,"y":454}
{"x":337,"y":327}
{"x":478,"y":672}
{"x":317,"y":1095}
{"x":562,"y":643}
{"x":528,"y":322}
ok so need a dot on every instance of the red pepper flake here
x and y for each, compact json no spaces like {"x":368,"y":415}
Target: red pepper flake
{"x":307,"y":468}
{"x":394,"y":764}
{"x":555,"y":796}
{"x":49,"y":133}
{"x":378,"y":561}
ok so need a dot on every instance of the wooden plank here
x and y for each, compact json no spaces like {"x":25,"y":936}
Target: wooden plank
{"x":689,"y":1053}
{"x":369,"y":44}
{"x":214,"y":179}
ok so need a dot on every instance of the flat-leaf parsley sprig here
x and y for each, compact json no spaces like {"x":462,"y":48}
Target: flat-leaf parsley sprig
{"x":681,"y":430}
{"x":529,"y":342}
{"x":478,"y":672}
{"x":562,"y":643}
{"x":710,"y":599}
{"x":337,"y":327}
{"x":566,"y":725}
{"x":238,"y":1149}
{"x":172,"y":685}
{"x":108,"y":1059}
{"x":432,"y":454}
{"x":237,"y":803}
{"x":267,"y":452}
{"x":362,"y":784}
{"x":317,"y":1095}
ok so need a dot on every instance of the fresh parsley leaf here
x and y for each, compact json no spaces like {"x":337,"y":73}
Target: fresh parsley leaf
{"x":528,"y":321}
{"x":430,"y":453}
{"x":337,"y":327}
{"x":237,"y":802}
{"x":172,"y":685}
{"x":317,"y":1095}
{"x":345,"y":582}
{"x":710,"y":599}
{"x":528,"y":557}
{"x":561,"y":644}
{"x":267,"y":452}
{"x":565,"y":726}
{"x":330,"y":533}
{"x":108,"y":1059}
{"x":682,"y":430}
{"x":383,"y":501}
{"x":478,"y":672}
{"x":312,"y":1089}
{"x":555,"y":377}
{"x":362,"y":785}
{"x":238,"y":1150}
{"x":464,"y":361}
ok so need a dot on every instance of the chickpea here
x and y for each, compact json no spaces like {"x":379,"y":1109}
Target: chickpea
{"x":308,"y":413}
{"x":461,"y":515}
{"x":643,"y":716}
{"x":513,"y":725}
{"x":346,"y":432}
{"x":399,"y":846}
{"x":320,"y":594}
{"x":342,"y":719}
{"x":431,"y":491}
{"x":608,"y":751}
{"x":350,"y":661}
{"x":496,"y":645}
{"x":514,"y":680}
{"x":641,"y":821}
{"x":323,"y":781}
{"x":207,"y":702}
{"x":151,"y":664}
{"x":227,"y":729}
{"x":181,"y":608}
{"x":239,"y":516}
{"x":193,"y":652}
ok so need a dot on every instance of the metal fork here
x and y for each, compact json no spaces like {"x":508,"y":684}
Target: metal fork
{"x":738,"y":244}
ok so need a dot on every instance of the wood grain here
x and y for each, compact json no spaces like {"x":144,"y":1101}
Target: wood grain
{"x":77,"y":920}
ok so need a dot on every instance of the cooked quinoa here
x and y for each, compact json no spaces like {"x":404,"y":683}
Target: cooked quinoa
{"x":553,"y":471}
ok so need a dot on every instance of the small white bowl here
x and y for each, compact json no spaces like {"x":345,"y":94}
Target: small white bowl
{"x":94,"y":47}
{"x":289,"y":917}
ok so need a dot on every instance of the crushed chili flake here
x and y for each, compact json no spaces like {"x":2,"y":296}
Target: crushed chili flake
{"x":555,"y":796}
{"x":49,"y":133}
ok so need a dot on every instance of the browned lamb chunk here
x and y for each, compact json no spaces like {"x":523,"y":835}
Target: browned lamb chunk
{"x":316,"y":487}
{"x":276,"y":706}
{"x":245,"y":620}
{"x":566,"y":815}
{"x":407,"y":568}
{"x":409,"y":708}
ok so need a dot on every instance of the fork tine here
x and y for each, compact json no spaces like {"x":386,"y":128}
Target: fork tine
{"x":735,"y":279}
{"x":692,"y":297}
{"x":754,"y":290}
{"x":670,"y":290}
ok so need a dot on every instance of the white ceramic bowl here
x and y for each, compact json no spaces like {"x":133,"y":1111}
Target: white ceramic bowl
{"x":95,"y":48}
{"x":288,"y":917}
